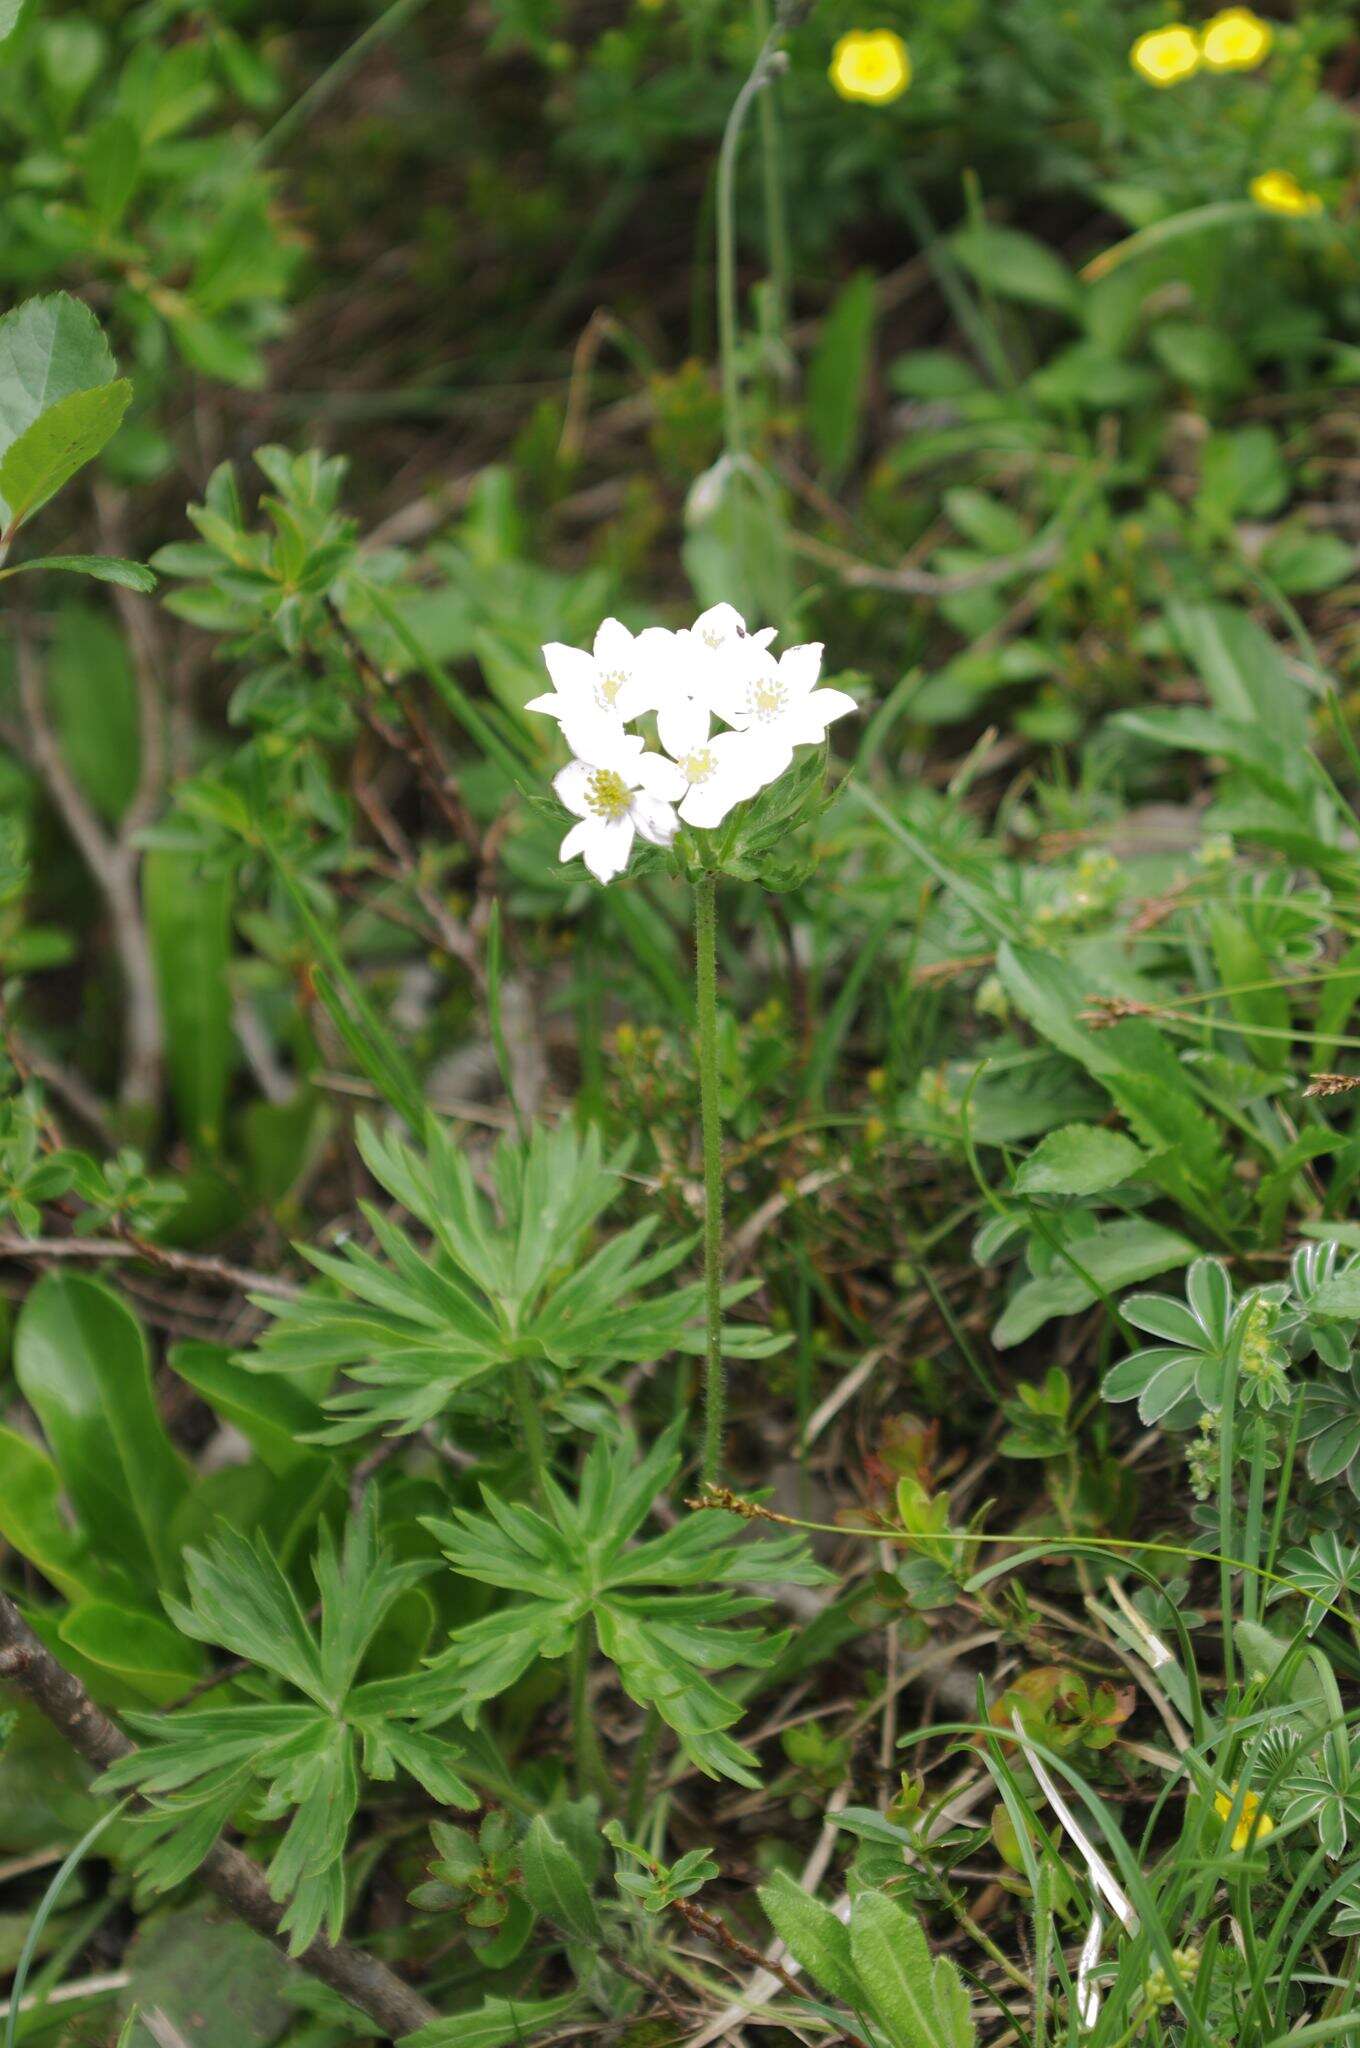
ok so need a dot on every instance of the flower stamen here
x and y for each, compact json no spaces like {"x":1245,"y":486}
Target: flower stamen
{"x":608,"y":795}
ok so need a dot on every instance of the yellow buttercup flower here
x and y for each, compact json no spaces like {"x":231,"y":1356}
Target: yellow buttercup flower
{"x":1166,"y":55}
{"x":1281,"y":192}
{"x":1253,"y":1825}
{"x":872,"y":65}
{"x":1236,"y":40}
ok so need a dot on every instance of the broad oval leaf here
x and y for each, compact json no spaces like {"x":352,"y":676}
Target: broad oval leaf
{"x":49,"y":348}
{"x":144,"y":1652}
{"x":80,"y":1359}
{"x":1079,"y":1159}
{"x":31,"y":1520}
{"x":54,"y":446}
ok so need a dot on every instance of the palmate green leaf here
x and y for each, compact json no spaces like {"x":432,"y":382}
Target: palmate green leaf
{"x":578,"y":1563}
{"x":422,"y":1326}
{"x":299,"y":1761}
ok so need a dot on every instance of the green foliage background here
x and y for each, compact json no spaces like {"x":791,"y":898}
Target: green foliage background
{"x":351,"y":1188}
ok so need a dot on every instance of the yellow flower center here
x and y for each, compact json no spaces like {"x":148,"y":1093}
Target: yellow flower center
{"x":872,"y":65}
{"x":767,"y":698}
{"x":608,"y":687}
{"x":1236,"y":40}
{"x":1281,"y":192}
{"x":608,"y":795}
{"x":1165,"y":55}
{"x":699,"y":765}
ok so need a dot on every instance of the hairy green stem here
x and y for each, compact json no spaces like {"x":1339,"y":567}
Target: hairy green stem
{"x":531,"y":1422}
{"x":592,"y":1773}
{"x":635,"y":1799}
{"x":710,"y":1114}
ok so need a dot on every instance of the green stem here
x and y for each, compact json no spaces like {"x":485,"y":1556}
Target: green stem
{"x":531,"y":1423}
{"x":776,"y":220}
{"x":592,"y":1773}
{"x":1226,"y":1450}
{"x":734,"y":432}
{"x":1256,"y":1498}
{"x":706,"y":995}
{"x":635,"y":1799}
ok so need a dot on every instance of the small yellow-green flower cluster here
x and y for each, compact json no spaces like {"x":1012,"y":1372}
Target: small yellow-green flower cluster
{"x":1235,"y":40}
{"x":1157,"y":1990}
{"x":1262,"y":1359}
{"x":1202,"y":1458}
{"x":872,"y":65}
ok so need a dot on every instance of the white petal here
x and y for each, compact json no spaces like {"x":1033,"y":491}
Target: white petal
{"x":806,"y":722}
{"x":721,"y":622}
{"x":655,"y":821}
{"x":682,"y":724}
{"x":799,"y":667}
{"x":738,"y":756}
{"x":572,"y":670}
{"x":656,"y":647}
{"x":653,"y":665}
{"x":771,"y":754}
{"x":598,"y":738}
{"x":611,"y":842}
{"x":577,"y":840}
{"x":570,"y":783}
{"x":555,"y":706}
{"x":660,"y":777}
{"x":614,"y":645}
{"x":708,"y":803}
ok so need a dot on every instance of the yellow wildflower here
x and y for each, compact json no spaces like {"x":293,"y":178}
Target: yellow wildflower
{"x":1236,"y":40}
{"x":1252,"y":1825}
{"x":1281,"y":192}
{"x":1166,"y":55}
{"x":872,"y":65}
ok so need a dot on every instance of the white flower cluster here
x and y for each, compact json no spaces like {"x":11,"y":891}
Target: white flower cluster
{"x":713,"y":670}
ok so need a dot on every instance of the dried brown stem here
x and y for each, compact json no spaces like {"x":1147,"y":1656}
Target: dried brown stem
{"x":187,"y":1265}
